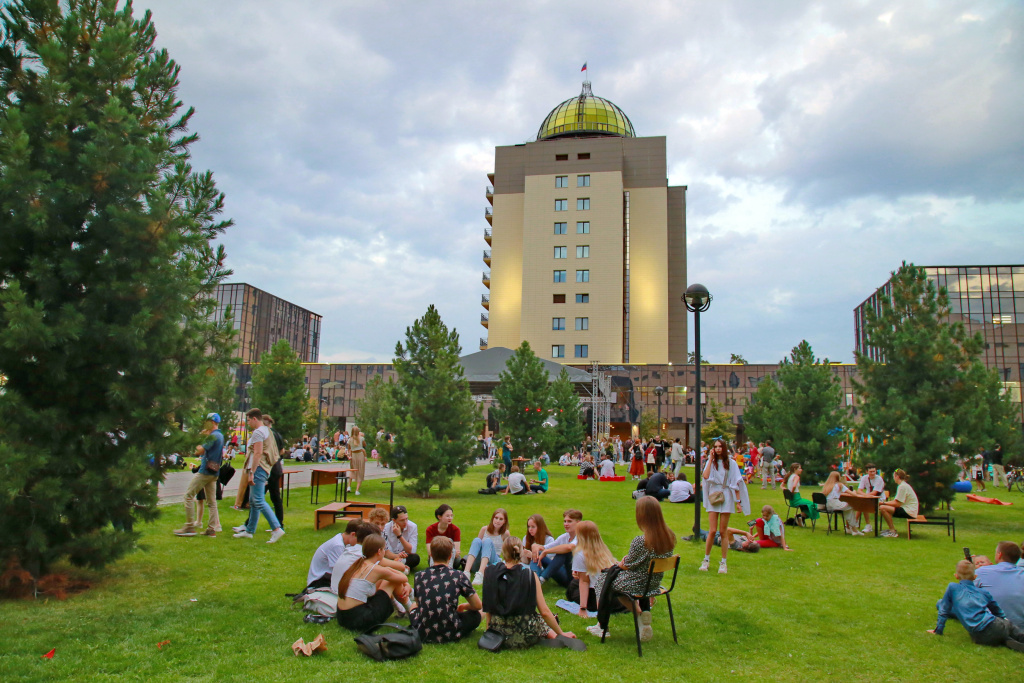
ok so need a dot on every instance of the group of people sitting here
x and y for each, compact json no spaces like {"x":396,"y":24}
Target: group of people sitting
{"x":516,"y":483}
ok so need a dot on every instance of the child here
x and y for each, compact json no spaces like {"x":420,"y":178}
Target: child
{"x":978,"y":611}
{"x":590,"y":560}
{"x":770,"y":531}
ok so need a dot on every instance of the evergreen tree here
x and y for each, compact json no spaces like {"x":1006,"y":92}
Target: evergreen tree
{"x":279,"y":388}
{"x":429,"y":408}
{"x":801,"y":412}
{"x":565,"y":407}
{"x":107,"y":272}
{"x":931,"y":395}
{"x":737,"y":359}
{"x":648,"y":423}
{"x":371,"y":410}
{"x":523,"y":402}
{"x":719,"y":423}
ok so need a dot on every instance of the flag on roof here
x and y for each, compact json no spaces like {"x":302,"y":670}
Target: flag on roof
{"x":584,"y":67}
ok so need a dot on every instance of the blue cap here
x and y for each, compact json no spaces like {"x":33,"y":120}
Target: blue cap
{"x":214,"y":416}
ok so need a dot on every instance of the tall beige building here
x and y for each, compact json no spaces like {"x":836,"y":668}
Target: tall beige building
{"x":588,"y":242}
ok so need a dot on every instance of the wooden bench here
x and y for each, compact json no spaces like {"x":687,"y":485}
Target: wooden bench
{"x":946,"y":521}
{"x":328,"y":514}
{"x":362,"y":509}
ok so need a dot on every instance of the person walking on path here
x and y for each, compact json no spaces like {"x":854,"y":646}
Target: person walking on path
{"x":262,"y":456}
{"x":277,"y":471}
{"x":357,"y":455}
{"x":205,"y":479}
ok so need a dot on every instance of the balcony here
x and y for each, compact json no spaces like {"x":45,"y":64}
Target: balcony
{"x":485,"y":301}
{"x":487,"y":279}
{"x":487,"y":257}
{"x":489,"y":214}
{"x":483,"y":343}
{"x":483,"y":319}
{"x":487,"y":235}
{"x":489,"y":193}
{"x":490,"y":178}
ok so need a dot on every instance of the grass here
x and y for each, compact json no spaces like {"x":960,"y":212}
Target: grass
{"x":838,"y":607}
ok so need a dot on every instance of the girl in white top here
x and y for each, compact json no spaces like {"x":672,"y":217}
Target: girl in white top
{"x":834,"y":488}
{"x":721,"y":476}
{"x":590,"y":560}
{"x":485,"y":547}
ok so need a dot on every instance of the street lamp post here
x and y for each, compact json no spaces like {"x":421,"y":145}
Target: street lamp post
{"x":658,"y":391}
{"x":324,"y":384}
{"x":246,"y":388}
{"x":697,"y":299}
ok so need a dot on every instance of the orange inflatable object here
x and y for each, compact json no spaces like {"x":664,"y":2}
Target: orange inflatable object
{"x":983,"y":499}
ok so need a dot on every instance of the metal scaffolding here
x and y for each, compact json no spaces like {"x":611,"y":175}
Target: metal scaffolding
{"x":600,"y":402}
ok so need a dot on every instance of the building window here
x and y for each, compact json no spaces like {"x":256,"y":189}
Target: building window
{"x":583,"y":298}
{"x":583,"y":251}
{"x":582,"y":276}
{"x":558,"y":323}
{"x":583,"y":155}
{"x":583,"y":181}
{"x":561,"y":205}
{"x":559,"y":276}
{"x":582,"y":323}
{"x":582,"y":351}
{"x":582,"y":227}
{"x":561,"y":228}
{"x":561,"y":252}
{"x":582,"y":204}
{"x":561,"y":181}
{"x":558,"y":350}
{"x":561,"y":157}
{"x":558,"y":298}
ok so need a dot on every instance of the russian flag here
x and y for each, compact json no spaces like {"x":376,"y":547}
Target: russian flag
{"x":584,"y":67}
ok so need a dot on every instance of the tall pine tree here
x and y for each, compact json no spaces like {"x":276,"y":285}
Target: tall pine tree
{"x":719,"y":423}
{"x":523,"y":402}
{"x":800,"y":413}
{"x":279,"y":388}
{"x":107,"y":271}
{"x":565,"y":407}
{"x":931,"y":395}
{"x":429,"y":409}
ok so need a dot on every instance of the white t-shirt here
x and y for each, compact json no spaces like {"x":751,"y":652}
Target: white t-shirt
{"x":679,"y":490}
{"x":349,"y":557}
{"x":837,"y":490}
{"x":876,"y":484}
{"x":579,"y":564}
{"x":607,"y":468}
{"x":392,"y":542}
{"x":325,"y":557}
{"x":516,"y":482}
{"x":561,"y":540}
{"x":907,"y":498}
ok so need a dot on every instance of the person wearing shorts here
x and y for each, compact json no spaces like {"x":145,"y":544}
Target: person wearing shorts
{"x":357,"y":455}
{"x":361,"y":603}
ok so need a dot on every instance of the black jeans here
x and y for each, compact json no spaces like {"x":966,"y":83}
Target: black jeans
{"x":274,"y":489}
{"x":998,"y":632}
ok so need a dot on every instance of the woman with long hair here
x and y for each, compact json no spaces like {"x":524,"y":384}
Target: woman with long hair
{"x":656,"y":542}
{"x":834,"y":487}
{"x":484,"y":548}
{"x":722,"y":481}
{"x":808,"y":509}
{"x":366,"y":589}
{"x":357,"y":456}
{"x":588,"y":564}
{"x":636,"y":459}
{"x":537,"y":536}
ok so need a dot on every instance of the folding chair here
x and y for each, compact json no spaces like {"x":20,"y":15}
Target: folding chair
{"x":821,"y":501}
{"x":656,"y":566}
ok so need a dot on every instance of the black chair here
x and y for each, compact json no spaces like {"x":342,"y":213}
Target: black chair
{"x":656,"y":566}
{"x":821,"y":501}
{"x":788,"y":495}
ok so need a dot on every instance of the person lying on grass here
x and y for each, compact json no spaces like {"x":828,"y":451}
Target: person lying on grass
{"x":977,"y":611}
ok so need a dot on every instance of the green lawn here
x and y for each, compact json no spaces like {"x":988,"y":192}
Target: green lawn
{"x":840,"y":608}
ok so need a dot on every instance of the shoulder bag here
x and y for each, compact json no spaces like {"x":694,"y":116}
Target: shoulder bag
{"x":404,"y":643}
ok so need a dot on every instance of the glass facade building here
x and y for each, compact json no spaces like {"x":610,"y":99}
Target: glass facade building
{"x":261,"y":319}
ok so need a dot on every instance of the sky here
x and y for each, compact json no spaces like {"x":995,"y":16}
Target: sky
{"x":823,"y":143}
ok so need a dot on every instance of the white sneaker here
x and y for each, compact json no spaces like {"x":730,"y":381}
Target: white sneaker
{"x":722,"y":569}
{"x":704,"y":566}
{"x":276,"y":535}
{"x":595,"y":631}
{"x":867,"y":530}
{"x":857,"y":533}
{"x":236,"y":529}
{"x":243,"y":534}
{"x":399,"y":608}
{"x":478,"y":580}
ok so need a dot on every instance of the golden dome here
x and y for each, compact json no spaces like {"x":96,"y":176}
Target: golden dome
{"x":586,"y":115}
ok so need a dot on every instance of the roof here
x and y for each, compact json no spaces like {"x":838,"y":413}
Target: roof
{"x":485,"y":366}
{"x":584,"y":115}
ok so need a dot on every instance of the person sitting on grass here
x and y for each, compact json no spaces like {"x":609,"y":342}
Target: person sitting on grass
{"x":495,"y":477}
{"x":1004,"y":580}
{"x":517,"y":485}
{"x":441,"y":619}
{"x":514,"y":602}
{"x":400,"y":539}
{"x":444,"y":527}
{"x":903,"y":505}
{"x":560,"y":550}
{"x":368,"y":589}
{"x":587,"y":467}
{"x":591,"y":559}
{"x":537,"y":536}
{"x":379,"y":518}
{"x":977,"y":611}
{"x":680,"y":490}
{"x":771,"y":532}
{"x":607,"y":465}
{"x":565,"y":460}
{"x":540,"y":484}
{"x":326,"y":556}
{"x":484,"y":548}
{"x":656,"y":485}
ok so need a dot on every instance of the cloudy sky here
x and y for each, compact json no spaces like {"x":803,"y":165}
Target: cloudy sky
{"x":822,"y":143}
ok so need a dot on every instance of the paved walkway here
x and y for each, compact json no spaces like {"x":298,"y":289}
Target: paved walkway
{"x":172,"y":490}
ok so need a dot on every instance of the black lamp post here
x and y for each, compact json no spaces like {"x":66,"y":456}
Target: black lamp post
{"x":697,"y":299}
{"x":246,"y":388}
{"x":659,"y":391}
{"x":324,"y":384}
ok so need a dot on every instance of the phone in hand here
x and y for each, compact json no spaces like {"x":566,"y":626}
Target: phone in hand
{"x":967,"y":554}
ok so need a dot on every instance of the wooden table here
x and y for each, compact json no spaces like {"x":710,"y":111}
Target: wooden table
{"x":288,"y":487}
{"x":320,"y":476}
{"x":863,"y":504}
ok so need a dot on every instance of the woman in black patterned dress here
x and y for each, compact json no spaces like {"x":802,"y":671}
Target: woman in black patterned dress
{"x":656,"y":542}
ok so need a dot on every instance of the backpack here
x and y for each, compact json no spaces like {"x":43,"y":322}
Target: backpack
{"x":382,"y":647}
{"x":324,"y":603}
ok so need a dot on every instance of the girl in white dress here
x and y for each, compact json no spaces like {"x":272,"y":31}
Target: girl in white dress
{"x":722,"y":483}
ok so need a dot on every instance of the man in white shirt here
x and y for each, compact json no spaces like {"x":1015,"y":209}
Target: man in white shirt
{"x":326,"y":556}
{"x":561,"y":550}
{"x":400,"y":539}
{"x":680,"y":490}
{"x":607,"y":466}
{"x":871,"y":485}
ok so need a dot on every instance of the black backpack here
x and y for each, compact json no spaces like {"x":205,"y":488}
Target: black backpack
{"x":382,"y":647}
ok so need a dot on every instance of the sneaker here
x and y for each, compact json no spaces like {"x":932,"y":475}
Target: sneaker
{"x":212,"y":533}
{"x":704,"y":566}
{"x":856,"y":533}
{"x":646,"y":631}
{"x":722,"y":569}
{"x":276,"y":535}
{"x":889,"y":534}
{"x":358,"y":493}
{"x":595,"y":631}
{"x":478,"y":580}
{"x":185,"y":531}
{"x":236,"y":529}
{"x":399,"y":608}
{"x":867,"y":530}
{"x":242,"y":534}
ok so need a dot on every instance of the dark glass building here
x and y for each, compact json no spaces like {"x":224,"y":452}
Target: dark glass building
{"x":261,"y":319}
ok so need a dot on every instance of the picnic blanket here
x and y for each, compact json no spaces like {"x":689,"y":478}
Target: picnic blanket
{"x":983,"y":499}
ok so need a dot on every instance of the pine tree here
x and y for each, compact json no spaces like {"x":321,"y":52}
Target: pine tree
{"x":523,"y":402}
{"x":107,"y":272}
{"x":801,"y":412}
{"x":648,"y":423}
{"x":279,"y":389}
{"x":429,"y":409}
{"x":371,"y":409}
{"x":565,"y":407}
{"x":719,"y":423}
{"x":931,"y":396}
